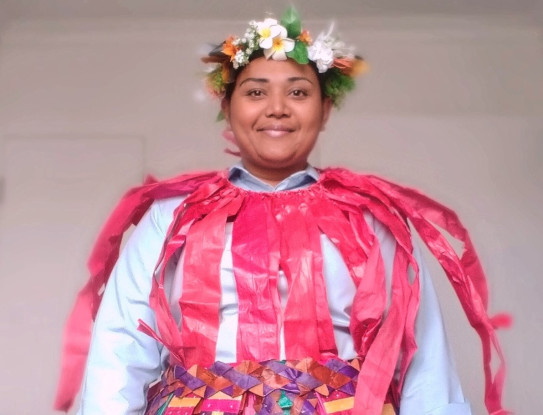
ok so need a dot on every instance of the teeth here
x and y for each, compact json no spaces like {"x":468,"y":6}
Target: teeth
{"x":276,"y":133}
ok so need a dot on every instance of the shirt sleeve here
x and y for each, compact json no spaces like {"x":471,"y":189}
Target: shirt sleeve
{"x":431,"y":386}
{"x":123,"y":361}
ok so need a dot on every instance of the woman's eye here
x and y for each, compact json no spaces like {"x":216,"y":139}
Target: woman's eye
{"x":299,"y":93}
{"x":255,"y":93}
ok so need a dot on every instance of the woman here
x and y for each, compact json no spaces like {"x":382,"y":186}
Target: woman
{"x":278,"y":288}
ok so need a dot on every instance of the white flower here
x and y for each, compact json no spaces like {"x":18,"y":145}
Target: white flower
{"x":267,"y":30}
{"x":240,"y":59}
{"x":341,"y":50}
{"x":321,"y":52}
{"x":273,"y":39}
{"x":280,"y":45}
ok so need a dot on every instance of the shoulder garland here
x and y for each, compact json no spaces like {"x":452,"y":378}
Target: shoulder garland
{"x":339,"y":195}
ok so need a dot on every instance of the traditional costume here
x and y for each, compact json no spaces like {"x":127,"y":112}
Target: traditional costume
{"x":307,"y":298}
{"x":340,"y":214}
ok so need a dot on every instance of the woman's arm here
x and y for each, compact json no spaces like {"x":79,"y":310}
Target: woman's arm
{"x":122,"y":360}
{"x":431,"y":385}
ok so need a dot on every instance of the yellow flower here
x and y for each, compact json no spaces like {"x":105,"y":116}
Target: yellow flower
{"x":277,"y":46}
{"x":267,"y":30}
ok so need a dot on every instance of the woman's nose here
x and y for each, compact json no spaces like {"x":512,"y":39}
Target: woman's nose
{"x":277,"y":106}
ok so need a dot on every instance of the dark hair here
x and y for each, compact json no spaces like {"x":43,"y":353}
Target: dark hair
{"x":229,"y":90}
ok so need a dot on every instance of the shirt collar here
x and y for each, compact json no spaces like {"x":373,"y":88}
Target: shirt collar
{"x":239,"y":176}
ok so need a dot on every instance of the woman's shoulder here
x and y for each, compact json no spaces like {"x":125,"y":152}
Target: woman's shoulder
{"x":164,"y":197}
{"x":167,"y":206}
{"x":162,"y":210}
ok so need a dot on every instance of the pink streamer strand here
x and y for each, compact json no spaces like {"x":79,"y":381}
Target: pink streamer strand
{"x":284,"y":229}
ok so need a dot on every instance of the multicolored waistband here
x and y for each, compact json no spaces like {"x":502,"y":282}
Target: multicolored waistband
{"x":272,"y":387}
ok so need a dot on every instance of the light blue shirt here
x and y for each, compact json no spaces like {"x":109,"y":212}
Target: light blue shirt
{"x":123,"y":361}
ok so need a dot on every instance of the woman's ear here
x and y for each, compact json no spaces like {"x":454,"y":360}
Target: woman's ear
{"x":326,"y":109}
{"x":225,"y":109}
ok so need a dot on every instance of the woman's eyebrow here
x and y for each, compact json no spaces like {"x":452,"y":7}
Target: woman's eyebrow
{"x":260,"y":80}
{"x":265,"y":80}
{"x":299,"y":78}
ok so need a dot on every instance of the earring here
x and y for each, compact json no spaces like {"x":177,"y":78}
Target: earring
{"x":229,"y":136}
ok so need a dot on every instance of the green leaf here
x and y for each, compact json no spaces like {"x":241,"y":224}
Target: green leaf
{"x":291,"y":22}
{"x":299,"y":53}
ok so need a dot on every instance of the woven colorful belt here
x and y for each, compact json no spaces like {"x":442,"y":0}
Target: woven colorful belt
{"x":267,"y":388}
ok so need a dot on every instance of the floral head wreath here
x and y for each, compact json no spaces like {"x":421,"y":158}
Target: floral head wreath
{"x":334,"y":61}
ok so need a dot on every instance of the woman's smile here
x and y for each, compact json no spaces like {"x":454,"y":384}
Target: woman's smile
{"x":276,"y":113}
{"x":275,"y":130}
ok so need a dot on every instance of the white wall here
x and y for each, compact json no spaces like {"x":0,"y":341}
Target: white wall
{"x":452,"y":106}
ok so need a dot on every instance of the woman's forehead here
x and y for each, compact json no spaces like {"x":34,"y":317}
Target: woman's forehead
{"x":264,"y":70}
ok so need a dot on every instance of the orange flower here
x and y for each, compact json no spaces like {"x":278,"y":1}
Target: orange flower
{"x":360,"y":67}
{"x":228,"y":48}
{"x":225,"y":73}
{"x":305,"y":37}
{"x":351,"y":67}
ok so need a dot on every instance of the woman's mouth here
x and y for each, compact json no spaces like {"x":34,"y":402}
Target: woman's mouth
{"x":275,"y":131}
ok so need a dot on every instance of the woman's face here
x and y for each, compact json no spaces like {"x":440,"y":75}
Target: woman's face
{"x":276,"y":113}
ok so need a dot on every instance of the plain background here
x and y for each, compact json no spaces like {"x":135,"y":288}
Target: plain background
{"x":90,"y":103}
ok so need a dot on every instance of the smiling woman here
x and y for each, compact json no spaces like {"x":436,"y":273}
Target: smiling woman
{"x":275,"y":287}
{"x":276,"y":113}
